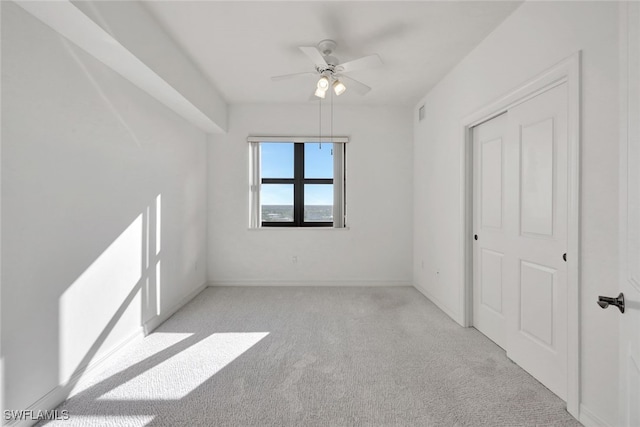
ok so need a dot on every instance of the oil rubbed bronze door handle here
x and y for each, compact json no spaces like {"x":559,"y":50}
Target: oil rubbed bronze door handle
{"x":604,"y":302}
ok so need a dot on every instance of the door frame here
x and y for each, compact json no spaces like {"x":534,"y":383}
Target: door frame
{"x":629,"y":14}
{"x":566,"y":71}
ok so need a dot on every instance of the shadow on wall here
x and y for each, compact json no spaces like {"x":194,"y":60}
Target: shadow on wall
{"x":124,"y":279}
{"x":90,"y":168}
{"x":121,"y":289}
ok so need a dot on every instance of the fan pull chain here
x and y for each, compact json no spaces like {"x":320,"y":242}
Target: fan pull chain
{"x":331,"y":121}
{"x":320,"y":121}
{"x":320,"y":125}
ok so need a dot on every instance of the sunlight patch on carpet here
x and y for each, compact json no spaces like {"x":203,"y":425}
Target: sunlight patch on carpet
{"x":179,"y":375}
{"x":107,"y":420}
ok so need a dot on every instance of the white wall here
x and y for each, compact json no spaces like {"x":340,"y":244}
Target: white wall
{"x":103,"y":201}
{"x":375,"y":249}
{"x":139,"y":32}
{"x":535,"y":37}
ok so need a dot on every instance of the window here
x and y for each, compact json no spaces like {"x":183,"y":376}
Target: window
{"x":297,"y":182}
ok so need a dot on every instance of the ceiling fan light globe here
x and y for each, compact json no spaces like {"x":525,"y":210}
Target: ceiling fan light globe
{"x":323,"y":84}
{"x":339,"y":87}
{"x":320,"y":93}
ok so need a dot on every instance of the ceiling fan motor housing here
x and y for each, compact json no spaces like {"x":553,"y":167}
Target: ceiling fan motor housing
{"x":326,"y":47}
{"x":327,"y":70}
{"x":331,"y":60}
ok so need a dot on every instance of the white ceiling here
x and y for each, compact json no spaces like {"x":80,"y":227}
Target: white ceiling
{"x":239,"y":45}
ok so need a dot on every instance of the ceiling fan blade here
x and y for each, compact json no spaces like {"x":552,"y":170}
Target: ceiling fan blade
{"x":314,"y":54}
{"x":359,"y":88}
{"x":360,"y":63}
{"x":288,"y":76}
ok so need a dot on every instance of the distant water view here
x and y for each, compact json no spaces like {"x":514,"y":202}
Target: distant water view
{"x":284,"y":213}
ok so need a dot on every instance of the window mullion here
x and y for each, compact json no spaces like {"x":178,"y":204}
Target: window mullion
{"x":278,"y":181}
{"x":298,"y":186}
{"x":318,"y":181}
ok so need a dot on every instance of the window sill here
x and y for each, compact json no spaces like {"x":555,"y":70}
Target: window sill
{"x":299,"y":228}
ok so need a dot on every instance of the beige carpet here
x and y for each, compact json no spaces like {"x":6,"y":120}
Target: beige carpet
{"x":312,"y":356}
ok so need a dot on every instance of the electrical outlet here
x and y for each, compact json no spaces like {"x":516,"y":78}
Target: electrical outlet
{"x":294,"y":259}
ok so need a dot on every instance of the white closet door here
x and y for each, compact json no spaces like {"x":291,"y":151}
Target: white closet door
{"x":536,"y":188}
{"x":491,"y":228}
{"x":520,"y":220}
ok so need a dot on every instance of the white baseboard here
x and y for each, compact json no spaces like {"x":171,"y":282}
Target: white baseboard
{"x":55,"y":397}
{"x":455,"y":316}
{"x":337,"y":283}
{"x":151,"y":324}
{"x":589,"y":419}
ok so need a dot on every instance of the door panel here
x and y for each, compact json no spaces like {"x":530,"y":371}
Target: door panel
{"x":491,"y":183}
{"x":537,"y":340}
{"x":489,"y":204}
{"x":538,"y":286}
{"x":536,"y":175}
{"x":491,"y":280}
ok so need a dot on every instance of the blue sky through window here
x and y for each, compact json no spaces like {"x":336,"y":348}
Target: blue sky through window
{"x":318,"y":194}
{"x":277,"y":194}
{"x":277,"y":162}
{"x":318,"y":161}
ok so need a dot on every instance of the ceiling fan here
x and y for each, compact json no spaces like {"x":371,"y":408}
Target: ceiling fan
{"x":331,"y":71}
